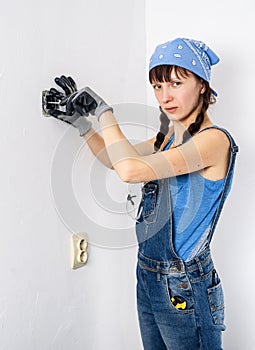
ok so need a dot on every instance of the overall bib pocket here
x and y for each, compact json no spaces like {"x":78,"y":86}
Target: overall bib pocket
{"x":149,"y":202}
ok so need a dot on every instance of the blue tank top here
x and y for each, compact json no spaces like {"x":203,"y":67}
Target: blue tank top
{"x":194,"y":203}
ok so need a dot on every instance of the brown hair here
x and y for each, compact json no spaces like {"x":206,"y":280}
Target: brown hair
{"x":163,"y":74}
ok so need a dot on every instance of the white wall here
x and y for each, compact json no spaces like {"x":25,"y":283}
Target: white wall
{"x":226,"y":27}
{"x":44,"y":304}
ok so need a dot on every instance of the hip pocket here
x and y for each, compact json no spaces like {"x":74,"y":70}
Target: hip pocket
{"x":216,"y":303}
{"x":179,"y":292}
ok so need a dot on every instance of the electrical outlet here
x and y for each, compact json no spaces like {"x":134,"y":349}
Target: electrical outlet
{"x":50,"y":102}
{"x":79,"y":255}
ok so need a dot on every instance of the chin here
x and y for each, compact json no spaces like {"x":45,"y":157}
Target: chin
{"x":174,"y":117}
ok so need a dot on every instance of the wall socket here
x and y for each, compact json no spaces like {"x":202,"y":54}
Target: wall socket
{"x":79,"y":245}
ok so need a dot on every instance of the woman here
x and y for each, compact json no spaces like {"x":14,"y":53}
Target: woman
{"x":187,"y":170}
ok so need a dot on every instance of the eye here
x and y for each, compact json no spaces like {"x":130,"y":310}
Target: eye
{"x":156,"y":86}
{"x":176,"y":83}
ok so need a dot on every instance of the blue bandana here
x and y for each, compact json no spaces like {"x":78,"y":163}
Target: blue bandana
{"x":186,"y":53}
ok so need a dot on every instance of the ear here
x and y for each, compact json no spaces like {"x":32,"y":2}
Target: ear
{"x":202,"y":88}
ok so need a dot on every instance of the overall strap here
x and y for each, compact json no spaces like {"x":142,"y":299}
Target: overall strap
{"x":228,"y":179}
{"x":169,"y":142}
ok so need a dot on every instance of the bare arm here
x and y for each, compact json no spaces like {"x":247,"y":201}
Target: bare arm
{"x":205,"y":150}
{"x":97,"y":146}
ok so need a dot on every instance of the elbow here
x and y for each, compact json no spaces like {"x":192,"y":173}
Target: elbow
{"x":125,"y":176}
{"x":127,"y":173}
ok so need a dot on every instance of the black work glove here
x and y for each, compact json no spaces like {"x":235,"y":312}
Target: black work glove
{"x":86,"y":101}
{"x":60,"y":105}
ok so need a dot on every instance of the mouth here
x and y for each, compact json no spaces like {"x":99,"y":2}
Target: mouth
{"x":170,"y":110}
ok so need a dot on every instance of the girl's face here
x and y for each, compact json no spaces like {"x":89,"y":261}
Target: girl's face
{"x":180,"y":98}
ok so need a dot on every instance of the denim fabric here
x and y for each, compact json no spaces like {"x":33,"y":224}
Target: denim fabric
{"x":180,"y":303}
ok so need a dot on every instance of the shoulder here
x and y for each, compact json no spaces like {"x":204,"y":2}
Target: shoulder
{"x":213,"y":136}
{"x":213,"y":145}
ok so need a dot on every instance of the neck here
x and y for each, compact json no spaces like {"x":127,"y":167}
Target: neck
{"x":181,"y":127}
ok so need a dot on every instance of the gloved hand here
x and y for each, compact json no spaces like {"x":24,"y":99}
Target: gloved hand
{"x":82,"y":102}
{"x":68,"y":113}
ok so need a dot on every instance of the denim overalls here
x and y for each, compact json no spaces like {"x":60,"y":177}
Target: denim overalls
{"x":180,"y":304}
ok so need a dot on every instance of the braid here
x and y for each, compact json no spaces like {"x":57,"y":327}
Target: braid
{"x":208,"y":99}
{"x":194,"y":127}
{"x":164,"y":127}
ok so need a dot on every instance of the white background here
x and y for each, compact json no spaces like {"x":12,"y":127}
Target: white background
{"x":44,"y":304}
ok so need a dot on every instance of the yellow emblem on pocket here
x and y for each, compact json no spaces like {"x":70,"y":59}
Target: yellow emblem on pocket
{"x":179,"y":302}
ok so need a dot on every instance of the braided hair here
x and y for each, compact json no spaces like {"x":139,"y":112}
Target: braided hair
{"x":164,"y":127}
{"x":163,"y":74}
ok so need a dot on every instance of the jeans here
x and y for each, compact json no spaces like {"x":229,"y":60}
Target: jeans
{"x":198,"y":322}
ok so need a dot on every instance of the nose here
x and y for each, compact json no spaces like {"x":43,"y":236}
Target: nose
{"x":167,"y":95}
